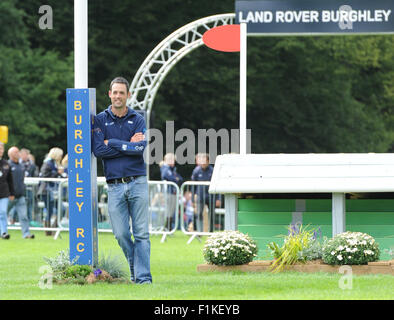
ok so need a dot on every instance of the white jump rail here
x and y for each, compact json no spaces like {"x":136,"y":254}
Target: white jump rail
{"x":336,"y":173}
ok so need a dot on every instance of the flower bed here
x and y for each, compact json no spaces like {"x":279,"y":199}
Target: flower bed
{"x":64,"y":271}
{"x":301,"y":251}
{"x":380,"y":267}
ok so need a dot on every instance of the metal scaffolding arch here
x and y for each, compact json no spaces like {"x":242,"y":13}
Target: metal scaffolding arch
{"x":165,"y":55}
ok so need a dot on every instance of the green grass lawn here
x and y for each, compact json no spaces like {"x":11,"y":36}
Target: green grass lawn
{"x":173,"y":266}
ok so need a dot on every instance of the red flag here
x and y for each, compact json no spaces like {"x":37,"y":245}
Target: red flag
{"x":223,"y":38}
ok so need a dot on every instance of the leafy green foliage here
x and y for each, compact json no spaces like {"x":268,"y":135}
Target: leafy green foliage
{"x":305,"y":94}
{"x":32,"y":95}
{"x":37,"y":99}
{"x":77,"y":271}
{"x":60,"y":263}
{"x":276,"y":251}
{"x":313,"y":252}
{"x":112,"y":264}
{"x":298,"y":239}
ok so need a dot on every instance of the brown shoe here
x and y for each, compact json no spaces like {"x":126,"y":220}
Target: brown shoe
{"x":30,"y":236}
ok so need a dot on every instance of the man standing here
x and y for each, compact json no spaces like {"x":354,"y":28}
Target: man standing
{"x":203,"y":172}
{"x":29,"y":167}
{"x":18,"y":177}
{"x":118,"y":138}
{"x":6,"y":192}
{"x":169,"y":173}
{"x":30,"y":171}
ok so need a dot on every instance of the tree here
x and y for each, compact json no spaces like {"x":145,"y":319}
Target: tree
{"x":32,"y":96}
{"x":305,"y":94}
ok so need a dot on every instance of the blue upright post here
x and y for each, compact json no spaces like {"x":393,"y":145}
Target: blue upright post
{"x":82,"y":176}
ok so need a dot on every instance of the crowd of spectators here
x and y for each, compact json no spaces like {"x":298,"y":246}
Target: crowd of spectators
{"x":16,"y":199}
{"x":199,"y":206}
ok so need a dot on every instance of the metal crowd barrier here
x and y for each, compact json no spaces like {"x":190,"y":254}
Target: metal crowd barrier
{"x":201,"y":213}
{"x":163,"y":206}
{"x":42,"y":196}
{"x":103,"y":221}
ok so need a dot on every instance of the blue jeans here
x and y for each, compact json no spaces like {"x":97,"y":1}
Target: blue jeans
{"x":29,"y":203}
{"x":125,"y":201}
{"x":49,"y":201}
{"x":3,"y":215}
{"x":21,"y":209}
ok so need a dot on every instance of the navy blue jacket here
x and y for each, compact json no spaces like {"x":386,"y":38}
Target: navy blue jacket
{"x":121,"y":158}
{"x":6,"y":183}
{"x":18,"y":178}
{"x":199,"y":174}
{"x":169,"y":173}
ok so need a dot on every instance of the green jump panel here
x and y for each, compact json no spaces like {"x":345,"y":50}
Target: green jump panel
{"x":257,"y":217}
{"x":263,"y":252}
{"x":315,"y":205}
{"x":267,"y":220}
{"x":262,"y":205}
{"x":370,"y":218}
{"x":318,"y":205}
{"x":371,"y":205}
{"x":266,"y":231}
{"x":317,"y":218}
{"x":376,"y":231}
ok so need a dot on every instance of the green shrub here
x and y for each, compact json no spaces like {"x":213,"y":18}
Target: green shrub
{"x":276,"y":251}
{"x":113,"y":265}
{"x":351,"y":248}
{"x":77,"y":271}
{"x":314,"y":251}
{"x":60,"y":263}
{"x":66,"y":271}
{"x":298,"y":239}
{"x":229,"y":248}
